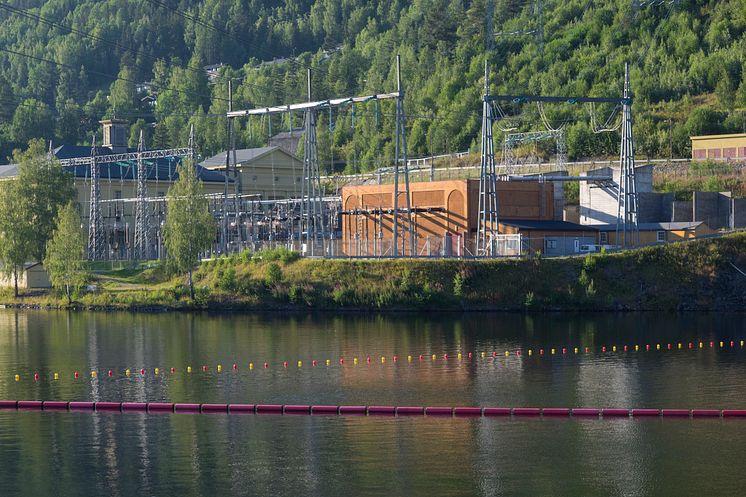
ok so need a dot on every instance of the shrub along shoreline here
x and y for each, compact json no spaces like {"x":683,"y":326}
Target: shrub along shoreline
{"x":692,"y":276}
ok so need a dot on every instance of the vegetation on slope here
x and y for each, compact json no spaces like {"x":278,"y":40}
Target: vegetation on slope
{"x":697,"y":275}
{"x":686,"y":56}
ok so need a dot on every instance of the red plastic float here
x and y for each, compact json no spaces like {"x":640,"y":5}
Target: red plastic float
{"x":410,"y":411}
{"x":51,"y":405}
{"x":614,"y":412}
{"x":134,"y":406}
{"x":585,"y":411}
{"x":215,"y":408}
{"x":555,"y":411}
{"x":381,"y":410}
{"x":526,"y":411}
{"x":241,"y":408}
{"x":269,"y":409}
{"x":467,"y":411}
{"x":675,"y":412}
{"x":439,"y":411}
{"x":160,"y":407}
{"x":646,"y":412}
{"x":705,"y":413}
{"x":496,"y":411}
{"x":108,"y":406}
{"x":352,"y":410}
{"x":321,"y":410}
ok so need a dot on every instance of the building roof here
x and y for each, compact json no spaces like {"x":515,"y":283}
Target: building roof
{"x":157,"y":169}
{"x":708,"y":137}
{"x":243,"y":156}
{"x":9,"y":171}
{"x":684,"y":225}
{"x":530,"y":224}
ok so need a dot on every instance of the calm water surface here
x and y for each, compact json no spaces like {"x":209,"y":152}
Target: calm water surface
{"x":72,"y":454}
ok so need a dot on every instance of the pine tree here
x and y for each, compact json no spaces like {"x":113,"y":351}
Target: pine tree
{"x":190,"y":228}
{"x":65,"y":252}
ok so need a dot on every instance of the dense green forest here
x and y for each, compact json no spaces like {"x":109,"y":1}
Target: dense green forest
{"x":65,"y":64}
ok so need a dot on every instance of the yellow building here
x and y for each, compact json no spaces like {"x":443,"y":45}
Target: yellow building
{"x":653,"y":233}
{"x":731,"y":146}
{"x":271,"y":172}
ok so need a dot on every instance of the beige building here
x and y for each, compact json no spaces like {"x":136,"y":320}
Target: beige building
{"x":33,"y":276}
{"x":731,"y":146}
{"x":271,"y":172}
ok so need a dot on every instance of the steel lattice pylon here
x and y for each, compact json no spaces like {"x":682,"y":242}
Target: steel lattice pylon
{"x":510,"y":162}
{"x":627,"y":197}
{"x":311,"y":204}
{"x":96,"y":233}
{"x":487,"y":226}
{"x":400,"y":157}
{"x":142,"y":214}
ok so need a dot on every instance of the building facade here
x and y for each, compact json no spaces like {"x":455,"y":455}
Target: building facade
{"x":731,"y":146}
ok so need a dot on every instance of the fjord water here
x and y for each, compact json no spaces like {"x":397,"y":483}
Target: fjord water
{"x":71,"y":454}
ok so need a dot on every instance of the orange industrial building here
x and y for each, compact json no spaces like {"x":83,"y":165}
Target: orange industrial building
{"x":444,"y":214}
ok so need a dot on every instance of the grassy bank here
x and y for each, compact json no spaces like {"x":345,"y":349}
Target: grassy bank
{"x":687,"y":276}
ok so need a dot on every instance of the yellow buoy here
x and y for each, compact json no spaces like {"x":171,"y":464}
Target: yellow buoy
{"x":93,"y":374}
{"x":18,"y":377}
{"x":657,"y":346}
{"x":433,"y":357}
{"x":613,"y":348}
{"x":741,"y":343}
{"x":482,"y":355}
{"x":721,"y":345}
{"x":328,"y":362}
{"x":552,"y":351}
{"x":251,"y":365}
{"x":157,"y":371}
{"x":507,"y":353}
{"x":354,"y":360}
{"x":700,"y":345}
{"x":679,"y":346}
{"x":409,"y":357}
{"x":220,"y":368}
{"x":575,"y":350}
{"x":189,"y":369}
{"x":459,"y":355}
{"x":383,"y":359}
{"x":300,"y":364}
{"x":530,"y":352}
{"x":127,"y":372}
{"x":56,"y":376}
{"x":637,"y":347}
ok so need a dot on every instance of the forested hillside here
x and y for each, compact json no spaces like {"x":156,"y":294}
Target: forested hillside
{"x":65,"y":64}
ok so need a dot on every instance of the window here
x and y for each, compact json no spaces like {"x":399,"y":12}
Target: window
{"x":277,"y":179}
{"x":604,"y":237}
{"x":550,"y":244}
{"x":661,"y":236}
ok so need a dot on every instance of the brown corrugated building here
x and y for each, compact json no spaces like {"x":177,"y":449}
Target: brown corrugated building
{"x":444,"y":217}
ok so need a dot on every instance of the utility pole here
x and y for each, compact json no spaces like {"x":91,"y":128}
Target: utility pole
{"x":142,"y":215}
{"x":627,"y":197}
{"x":401,"y":158}
{"x":236,"y":176}
{"x":487,"y":226}
{"x":96,"y":234}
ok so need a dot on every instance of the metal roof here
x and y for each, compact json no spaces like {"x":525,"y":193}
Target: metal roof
{"x":685,"y":225}
{"x":244,"y":155}
{"x":530,"y":224}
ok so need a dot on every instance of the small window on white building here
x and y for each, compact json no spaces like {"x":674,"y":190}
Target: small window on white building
{"x":661,"y":236}
{"x":604,"y":238}
{"x":277,"y":179}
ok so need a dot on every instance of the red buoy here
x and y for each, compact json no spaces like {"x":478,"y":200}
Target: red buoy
{"x":712,"y":344}
{"x":142,"y":372}
{"x":285,"y":364}
{"x":625,"y":348}
{"x":173,"y":370}
{"x":541,"y":351}
{"x":420,"y":357}
{"x":647,"y":347}
{"x":76,"y":375}
{"x":690,"y":345}
{"x":396,"y":357}
{"x":469,"y":355}
{"x":266,"y":365}
{"x":111,"y":373}
{"x":368,"y":359}
{"x":204,"y":369}
{"x":36,"y":376}
{"x":564,"y":350}
{"x":235,"y":366}
{"x":603,"y":349}
{"x":314,"y":363}
{"x":586,"y":350}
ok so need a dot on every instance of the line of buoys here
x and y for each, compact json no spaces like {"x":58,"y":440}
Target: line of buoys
{"x":732,"y":344}
{"x":373,"y":410}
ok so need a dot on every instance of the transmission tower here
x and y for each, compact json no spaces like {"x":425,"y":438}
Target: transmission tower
{"x":627,"y":197}
{"x":96,"y":233}
{"x":311,"y":204}
{"x":537,"y":31}
{"x":487,"y":226}
{"x":142,"y":214}
{"x":401,"y":158}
